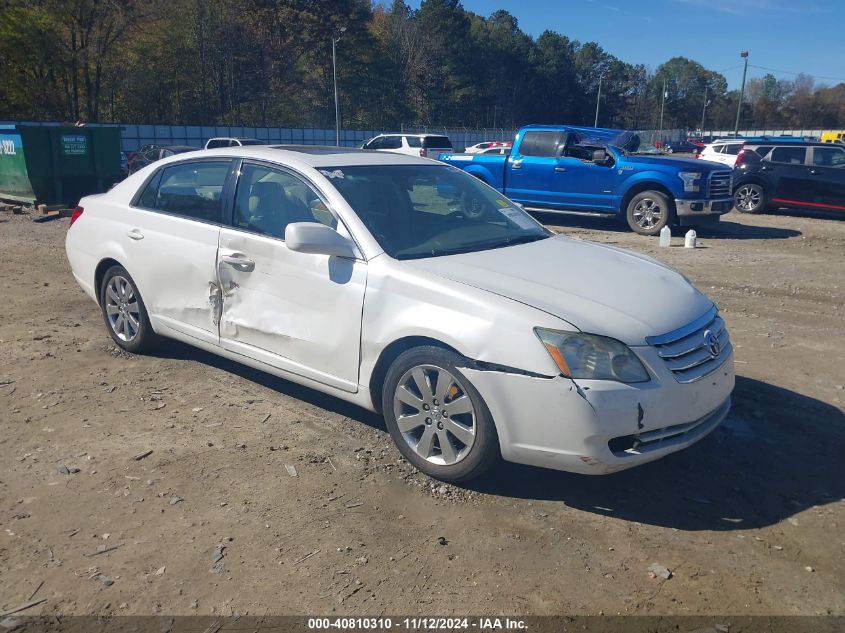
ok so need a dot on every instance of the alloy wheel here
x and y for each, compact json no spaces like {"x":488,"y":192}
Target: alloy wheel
{"x":748,"y":198}
{"x":122,"y":308}
{"x":435,"y":414}
{"x":647,"y":213}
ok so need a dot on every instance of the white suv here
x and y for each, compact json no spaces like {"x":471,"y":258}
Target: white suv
{"x":723,"y":151}
{"x":425,"y":145}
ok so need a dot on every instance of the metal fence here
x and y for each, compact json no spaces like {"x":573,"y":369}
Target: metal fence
{"x":134,"y":136}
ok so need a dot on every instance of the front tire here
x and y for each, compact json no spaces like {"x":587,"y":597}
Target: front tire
{"x":749,"y":198}
{"x":648,"y":212}
{"x":436,"y":417}
{"x":124,"y":312}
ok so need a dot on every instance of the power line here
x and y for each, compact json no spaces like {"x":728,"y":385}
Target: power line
{"x":787,"y":72}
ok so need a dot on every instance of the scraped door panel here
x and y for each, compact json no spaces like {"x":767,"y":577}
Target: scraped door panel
{"x":295,"y":311}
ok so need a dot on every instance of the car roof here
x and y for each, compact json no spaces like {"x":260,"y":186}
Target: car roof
{"x":318,"y":155}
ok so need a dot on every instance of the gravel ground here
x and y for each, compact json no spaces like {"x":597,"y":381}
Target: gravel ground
{"x":213,"y":521}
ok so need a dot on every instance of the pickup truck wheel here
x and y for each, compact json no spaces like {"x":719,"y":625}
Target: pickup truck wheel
{"x":749,"y":198}
{"x":436,"y":417}
{"x":648,"y":212}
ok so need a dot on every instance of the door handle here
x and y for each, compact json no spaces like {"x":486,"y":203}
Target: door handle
{"x":239,"y":262}
{"x":135,"y":234}
{"x":516,"y":164}
{"x":560,"y":169}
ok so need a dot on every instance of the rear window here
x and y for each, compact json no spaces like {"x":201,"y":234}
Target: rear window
{"x":436,"y":141}
{"x":540,"y":143}
{"x":762,"y":150}
{"x":251,"y":141}
{"x":217,"y":142}
{"x":791,"y":155}
{"x":733,"y":148}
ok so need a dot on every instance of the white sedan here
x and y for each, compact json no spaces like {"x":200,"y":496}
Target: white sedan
{"x":409,"y":287}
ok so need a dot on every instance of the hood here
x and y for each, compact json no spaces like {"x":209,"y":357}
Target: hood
{"x":691,"y":164}
{"x":597,"y":289}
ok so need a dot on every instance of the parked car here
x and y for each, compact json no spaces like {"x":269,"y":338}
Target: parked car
{"x":152,"y":153}
{"x":833,"y":136}
{"x":231,"y":141}
{"x":600,"y":171}
{"x":425,"y":145}
{"x":410,"y":288}
{"x":723,"y":151}
{"x":683,"y":146}
{"x":790,"y":175}
{"x":479,"y":148}
{"x":499,"y":151}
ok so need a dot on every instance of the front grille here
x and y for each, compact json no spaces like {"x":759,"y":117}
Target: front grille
{"x":720,"y":184}
{"x":688,"y":351}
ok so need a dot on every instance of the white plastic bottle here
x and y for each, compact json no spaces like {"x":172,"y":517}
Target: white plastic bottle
{"x":665,"y":236}
{"x":689,"y":239}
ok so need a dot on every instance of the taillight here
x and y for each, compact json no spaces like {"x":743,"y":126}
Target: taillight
{"x":75,"y":216}
{"x":739,"y":157}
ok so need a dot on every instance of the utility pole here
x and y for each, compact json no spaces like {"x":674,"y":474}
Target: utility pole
{"x":335,"y":40}
{"x":704,"y":110}
{"x":744,"y":55}
{"x":662,"y":105}
{"x":598,"y":100}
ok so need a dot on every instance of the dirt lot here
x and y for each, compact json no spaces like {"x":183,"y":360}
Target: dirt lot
{"x":749,"y":521}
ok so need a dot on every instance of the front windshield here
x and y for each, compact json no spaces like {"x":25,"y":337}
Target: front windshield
{"x":417,"y":211}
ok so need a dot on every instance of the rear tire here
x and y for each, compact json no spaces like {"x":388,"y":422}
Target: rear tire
{"x":436,"y":417}
{"x":750,"y":198}
{"x":124,"y":312}
{"x":648,"y":212}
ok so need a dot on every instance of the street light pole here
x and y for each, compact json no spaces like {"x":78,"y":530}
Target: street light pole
{"x":744,"y":55}
{"x":704,"y":110}
{"x":598,"y":100}
{"x":335,"y":40}
{"x":662,"y":105}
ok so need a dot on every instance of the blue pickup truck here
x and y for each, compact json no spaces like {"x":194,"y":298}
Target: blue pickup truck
{"x":601,"y":171}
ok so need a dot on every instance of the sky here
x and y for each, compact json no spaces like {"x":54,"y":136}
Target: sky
{"x":788,"y":36}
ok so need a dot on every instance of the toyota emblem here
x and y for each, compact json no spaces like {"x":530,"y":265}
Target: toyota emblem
{"x":711,"y":341}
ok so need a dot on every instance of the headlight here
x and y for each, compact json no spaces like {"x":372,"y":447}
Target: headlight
{"x":690,"y":178}
{"x":593,"y":357}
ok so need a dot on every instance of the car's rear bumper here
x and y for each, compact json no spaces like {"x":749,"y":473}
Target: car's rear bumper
{"x":600,"y":427}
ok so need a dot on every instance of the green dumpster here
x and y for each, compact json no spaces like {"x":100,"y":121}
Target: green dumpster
{"x":57,"y":165}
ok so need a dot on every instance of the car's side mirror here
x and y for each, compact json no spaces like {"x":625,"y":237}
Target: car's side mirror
{"x":600,"y":157}
{"x":319,"y":239}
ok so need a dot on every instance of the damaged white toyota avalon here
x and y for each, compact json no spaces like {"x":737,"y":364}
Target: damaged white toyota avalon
{"x":409,"y":287}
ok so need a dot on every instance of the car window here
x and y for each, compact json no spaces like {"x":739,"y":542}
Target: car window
{"x":374,"y":143}
{"x":189,"y":189}
{"x":268,"y":199}
{"x":733,"y":148}
{"x":791,"y":155}
{"x":438,"y":142}
{"x":391,"y":142}
{"x":540,"y":143}
{"x":829,"y":157}
{"x":413,"y":141}
{"x":762,"y":150}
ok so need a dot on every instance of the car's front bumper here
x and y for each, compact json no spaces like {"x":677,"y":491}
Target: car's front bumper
{"x":598,"y":427}
{"x":692,"y":211}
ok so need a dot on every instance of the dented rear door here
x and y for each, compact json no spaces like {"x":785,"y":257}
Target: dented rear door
{"x":299,"y":312}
